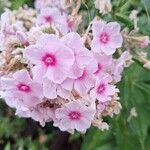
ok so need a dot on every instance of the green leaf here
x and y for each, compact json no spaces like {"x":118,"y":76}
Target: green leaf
{"x":95,"y":139}
{"x":17,"y":3}
{"x":124,"y":19}
{"x":134,"y":92}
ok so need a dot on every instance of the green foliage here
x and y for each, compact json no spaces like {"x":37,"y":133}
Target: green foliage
{"x":124,"y":135}
{"x":98,"y":140}
{"x":17,"y":3}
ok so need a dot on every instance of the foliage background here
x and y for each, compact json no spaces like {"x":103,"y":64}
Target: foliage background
{"x":22,"y":134}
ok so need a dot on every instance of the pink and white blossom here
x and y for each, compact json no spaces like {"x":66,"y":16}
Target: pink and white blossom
{"x":20,"y":87}
{"x":104,"y":90}
{"x":74,"y":116}
{"x":49,"y":16}
{"x":52,"y":59}
{"x":106,"y":37}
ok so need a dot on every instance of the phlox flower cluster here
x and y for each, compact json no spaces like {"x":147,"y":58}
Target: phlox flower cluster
{"x":49,"y":74}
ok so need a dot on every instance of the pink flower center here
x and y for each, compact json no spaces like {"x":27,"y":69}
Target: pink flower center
{"x":83,"y":75}
{"x":74,"y":115}
{"x":48,"y":19}
{"x":101,"y":88}
{"x":98,"y":69}
{"x":24,"y":88}
{"x":104,"y":38}
{"x":49,"y":60}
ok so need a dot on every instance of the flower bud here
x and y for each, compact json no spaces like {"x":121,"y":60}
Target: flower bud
{"x":104,"y":6}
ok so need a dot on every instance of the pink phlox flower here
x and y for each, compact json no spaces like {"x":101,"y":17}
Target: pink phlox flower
{"x":106,"y":37}
{"x":21,"y":87}
{"x":52,"y":59}
{"x":74,"y":115}
{"x":49,"y":16}
{"x":104,"y":90}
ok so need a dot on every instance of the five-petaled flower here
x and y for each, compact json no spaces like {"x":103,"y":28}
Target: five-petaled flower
{"x":74,"y":115}
{"x":106,"y":37}
{"x":52,"y":59}
{"x":104,"y":90}
{"x":21,"y":87}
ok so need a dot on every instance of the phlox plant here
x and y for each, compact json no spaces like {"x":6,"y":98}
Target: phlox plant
{"x":54,"y":71}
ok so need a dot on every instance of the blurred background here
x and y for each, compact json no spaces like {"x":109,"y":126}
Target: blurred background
{"x":130,"y":130}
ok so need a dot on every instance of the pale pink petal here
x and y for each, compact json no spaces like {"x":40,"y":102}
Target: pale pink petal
{"x":89,"y":81}
{"x":22,"y":76}
{"x":31,"y":101}
{"x":62,"y":92}
{"x":73,"y":41}
{"x":111,"y":90}
{"x":82,"y":125}
{"x":107,"y":49}
{"x":102,"y":98}
{"x":92,"y":66}
{"x":75,"y":71}
{"x":95,"y":45}
{"x":49,"y":89}
{"x":37,"y":90}
{"x":61,"y":113}
{"x":65,"y":56}
{"x":74,"y":106}
{"x":68,"y":84}
{"x":8,"y":83}
{"x":50,"y":42}
{"x":88,"y":113}
{"x":38,"y":73}
{"x":15,"y":103}
{"x":34,"y":53}
{"x":80,"y":87}
{"x":83,"y":58}
{"x":112,"y":28}
{"x":116,"y":41}
{"x":63,"y":125}
{"x":98,"y":27}
{"x":57,"y":75}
